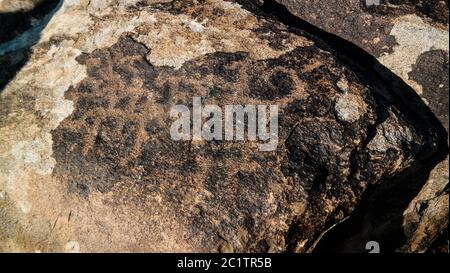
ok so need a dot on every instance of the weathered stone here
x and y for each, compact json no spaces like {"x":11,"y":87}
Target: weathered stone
{"x":24,"y":20}
{"x":18,"y":5}
{"x":427,"y":215}
{"x":411,"y":39}
{"x":87,"y":162}
{"x":19,"y":16}
{"x":399,"y":33}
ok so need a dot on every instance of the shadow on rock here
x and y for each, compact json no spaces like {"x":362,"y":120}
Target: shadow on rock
{"x":379,"y":216}
{"x":19,"y":31}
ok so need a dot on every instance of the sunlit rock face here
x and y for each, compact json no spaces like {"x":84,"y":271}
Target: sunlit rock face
{"x":87,"y":162}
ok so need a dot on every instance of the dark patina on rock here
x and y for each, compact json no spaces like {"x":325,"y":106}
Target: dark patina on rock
{"x":120,"y":183}
{"x":229,"y":195}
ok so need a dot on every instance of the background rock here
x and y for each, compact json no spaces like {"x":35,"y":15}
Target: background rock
{"x":411,"y":39}
{"x":87,"y":163}
{"x":18,"y":5}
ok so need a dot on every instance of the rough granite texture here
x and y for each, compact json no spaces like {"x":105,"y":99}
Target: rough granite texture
{"x":399,"y":33}
{"x":410,"y":37}
{"x":87,"y":163}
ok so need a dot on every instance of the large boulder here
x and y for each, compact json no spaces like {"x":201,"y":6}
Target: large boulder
{"x":411,"y":39}
{"x":87,"y":161}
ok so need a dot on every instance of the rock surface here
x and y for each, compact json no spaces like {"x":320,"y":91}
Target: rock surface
{"x":87,"y":163}
{"x":410,"y":38}
{"x":18,"y":16}
{"x":10,"y":6}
